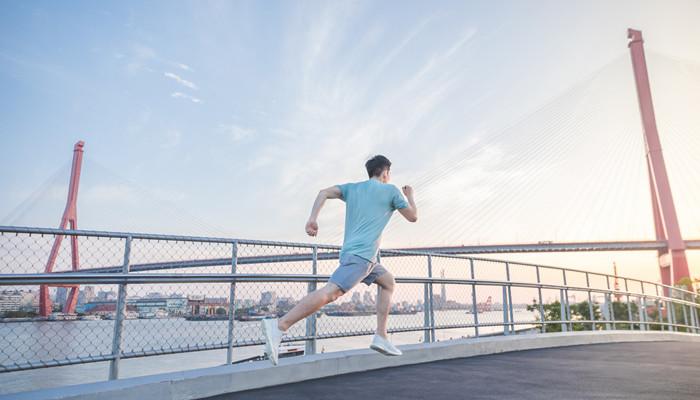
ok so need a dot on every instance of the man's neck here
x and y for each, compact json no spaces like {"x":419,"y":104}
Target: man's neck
{"x":375,"y":178}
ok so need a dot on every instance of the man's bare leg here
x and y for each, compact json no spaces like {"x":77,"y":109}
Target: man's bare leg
{"x":380,"y":342}
{"x":386,"y":285}
{"x":311,"y":303}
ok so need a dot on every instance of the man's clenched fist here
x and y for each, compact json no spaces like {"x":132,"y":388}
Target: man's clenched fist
{"x":312,"y":228}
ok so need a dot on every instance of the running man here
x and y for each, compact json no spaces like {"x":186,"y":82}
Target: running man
{"x":368,"y":208}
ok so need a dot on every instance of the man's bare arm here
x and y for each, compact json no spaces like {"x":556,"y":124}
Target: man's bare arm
{"x":332,"y":192}
{"x":410,"y":212}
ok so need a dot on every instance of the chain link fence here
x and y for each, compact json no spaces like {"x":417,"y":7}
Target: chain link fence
{"x":71,"y":297}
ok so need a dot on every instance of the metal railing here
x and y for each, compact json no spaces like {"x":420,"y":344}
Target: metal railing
{"x":218,"y":287}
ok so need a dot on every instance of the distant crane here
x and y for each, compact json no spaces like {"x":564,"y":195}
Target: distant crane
{"x":618,"y":296}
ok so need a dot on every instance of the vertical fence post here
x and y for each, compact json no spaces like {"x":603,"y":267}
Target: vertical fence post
{"x":691,"y":313}
{"x":591,"y":315}
{"x":613,"y":318}
{"x":566,"y":301}
{"x":611,"y":303}
{"x":310,"y":347}
{"x":475,"y":309}
{"x":672,"y":311}
{"x":119,"y":314}
{"x":685,"y":318}
{"x":629,"y":307}
{"x":432,"y":301}
{"x":539,"y":295}
{"x":693,"y":323}
{"x":562,"y":310}
{"x":510,"y":300}
{"x":606,"y":310}
{"x":658,"y":308}
{"x":504,"y":305}
{"x":232,"y":303}
{"x":642,"y":311}
{"x":672,"y":316}
{"x":674,"y":319}
{"x":427,"y":305}
{"x":695,"y":315}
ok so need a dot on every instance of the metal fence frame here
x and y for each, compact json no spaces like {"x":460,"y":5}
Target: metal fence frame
{"x":122,"y":276}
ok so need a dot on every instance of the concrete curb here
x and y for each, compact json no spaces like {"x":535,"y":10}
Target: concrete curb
{"x":213,"y":381}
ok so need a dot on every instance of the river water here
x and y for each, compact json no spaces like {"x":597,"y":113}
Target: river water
{"x":47,"y":340}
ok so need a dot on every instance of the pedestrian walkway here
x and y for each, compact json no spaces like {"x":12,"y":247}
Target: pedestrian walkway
{"x":638,"y":370}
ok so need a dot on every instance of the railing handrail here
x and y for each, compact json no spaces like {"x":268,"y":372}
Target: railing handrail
{"x":156,"y":236}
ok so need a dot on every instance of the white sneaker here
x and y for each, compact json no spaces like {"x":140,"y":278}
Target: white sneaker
{"x":273,"y":338}
{"x":384,"y":346}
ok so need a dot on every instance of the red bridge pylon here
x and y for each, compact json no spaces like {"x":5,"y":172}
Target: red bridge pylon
{"x":673,"y":263}
{"x":70,"y":216}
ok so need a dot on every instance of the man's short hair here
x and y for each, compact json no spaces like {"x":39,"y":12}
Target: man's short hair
{"x":376,"y":165}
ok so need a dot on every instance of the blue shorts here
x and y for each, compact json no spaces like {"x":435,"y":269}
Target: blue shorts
{"x":355,"y":269}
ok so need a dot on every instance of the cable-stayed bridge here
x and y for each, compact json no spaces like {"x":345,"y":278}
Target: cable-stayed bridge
{"x":243,"y":269}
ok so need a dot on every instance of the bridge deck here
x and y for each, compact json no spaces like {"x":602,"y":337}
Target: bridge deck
{"x":649,"y":370}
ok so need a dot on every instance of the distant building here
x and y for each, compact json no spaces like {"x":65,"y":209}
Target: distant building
{"x":438,"y":302}
{"x":368,"y":298}
{"x":106,"y":295}
{"x":173,"y":306}
{"x":10,"y":300}
{"x":176,"y":305}
{"x":105,"y":309}
{"x":89,"y":293}
{"x":285,"y":303}
{"x":30,"y":300}
{"x":86,"y":295}
{"x":88,"y":307}
{"x":202,"y":305}
{"x":245,"y":303}
{"x":61,"y":296}
{"x":356,"y":298}
{"x":268,"y":299}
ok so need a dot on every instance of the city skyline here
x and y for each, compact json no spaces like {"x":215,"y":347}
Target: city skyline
{"x":192,"y":303}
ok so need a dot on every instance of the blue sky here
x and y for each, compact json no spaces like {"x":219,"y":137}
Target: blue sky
{"x":225,"y":118}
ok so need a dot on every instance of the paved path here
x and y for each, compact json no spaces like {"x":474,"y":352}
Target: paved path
{"x":651,"y":370}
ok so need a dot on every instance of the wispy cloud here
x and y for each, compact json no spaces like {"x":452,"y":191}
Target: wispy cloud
{"x":138,"y":58}
{"x":184,"y":66}
{"x":180,"y":95}
{"x":374,"y":108}
{"x":143,"y":52}
{"x":180,"y":80}
{"x":391,"y":55}
{"x":235,"y":132}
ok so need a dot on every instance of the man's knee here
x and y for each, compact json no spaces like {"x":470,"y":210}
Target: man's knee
{"x":336,"y":294}
{"x":387,"y":281}
{"x":332,"y":292}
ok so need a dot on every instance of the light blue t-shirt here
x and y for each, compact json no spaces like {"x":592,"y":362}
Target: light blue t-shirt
{"x":368,"y":208}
